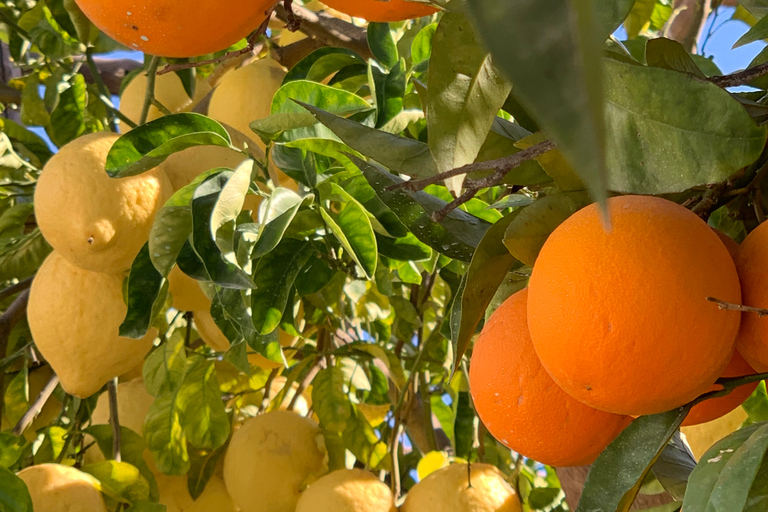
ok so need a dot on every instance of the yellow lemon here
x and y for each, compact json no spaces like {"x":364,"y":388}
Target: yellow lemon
{"x":431,"y":462}
{"x":271,"y":459}
{"x":96,"y":222}
{"x":174,"y":494}
{"x":454,"y":489}
{"x":186,"y":292}
{"x":74,"y":316}
{"x":347,"y":490}
{"x":169,"y":91}
{"x":55,"y":487}
{"x":703,"y":436}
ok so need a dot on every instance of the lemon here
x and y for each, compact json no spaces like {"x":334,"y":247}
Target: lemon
{"x":169,"y":91}
{"x":55,"y":487}
{"x":347,"y":490}
{"x":430,"y":463}
{"x":271,"y":459}
{"x":454,"y":489}
{"x":174,"y":494}
{"x":74,"y":316}
{"x":703,"y":436}
{"x":186,"y":292}
{"x":96,"y":222}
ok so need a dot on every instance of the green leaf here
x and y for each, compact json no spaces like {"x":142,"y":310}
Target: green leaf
{"x":456,"y":236}
{"x":421,"y":48}
{"x":228,"y":206}
{"x":722,"y":481}
{"x":322,"y":63}
{"x":280,"y":211}
{"x":756,"y":405}
{"x":23,"y":256}
{"x":465,"y":93}
{"x":668,"y":54}
{"x":550,"y":50}
{"x":331,"y":403}
{"x":529,"y":230}
{"x":399,"y":154}
{"x":389,"y":91}
{"x":364,"y":442}
{"x":165,"y":436}
{"x":755,"y":33}
{"x":464,"y":425}
{"x":488,"y":268}
{"x":618,"y":473}
{"x":274,"y":275}
{"x":407,"y":248}
{"x":352,"y":228}
{"x":610,"y":14}
{"x":203,"y":467}
{"x":33,"y":112}
{"x":382,"y":44}
{"x":201,"y":409}
{"x":14,"y":496}
{"x":639,"y":17}
{"x":11,"y":448}
{"x":271,"y":127}
{"x":668,"y":132}
{"x":164,"y":368}
{"x":147,"y":146}
{"x":145,"y":296}
{"x":119,"y":479}
{"x":13,"y":219}
{"x":68,"y":118}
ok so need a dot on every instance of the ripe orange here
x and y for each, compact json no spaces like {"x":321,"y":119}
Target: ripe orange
{"x":377,"y":10}
{"x":716,"y":407}
{"x":620,"y":318}
{"x":729,"y":243}
{"x":171,"y":28}
{"x":522,"y":406}
{"x":753,"y":336}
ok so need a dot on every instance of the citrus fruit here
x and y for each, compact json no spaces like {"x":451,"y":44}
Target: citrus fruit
{"x":96,"y":222}
{"x":378,"y":10}
{"x":74,"y":316}
{"x":703,"y":436}
{"x":455,"y":489}
{"x":186,"y":292}
{"x":133,"y":403}
{"x":174,"y":494}
{"x":729,"y":243}
{"x":431,"y":462}
{"x":169,"y":91}
{"x":170,"y":28}
{"x":753,"y":336}
{"x":713,"y":408}
{"x":271,"y":459}
{"x":214,"y":338}
{"x":521,"y":405}
{"x":347,"y":490}
{"x":620,"y":317}
{"x":54,"y":487}
{"x":183,"y":167}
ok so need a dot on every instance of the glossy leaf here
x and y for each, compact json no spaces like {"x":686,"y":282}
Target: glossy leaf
{"x":201,"y":409}
{"x":464,"y":95}
{"x":550,"y":50}
{"x":332,"y":405}
{"x":488,"y":268}
{"x":147,"y":146}
{"x":14,"y":496}
{"x":164,"y":368}
{"x":120,"y":479}
{"x":316,"y":66}
{"x":756,"y":406}
{"x":68,"y":118}
{"x":145,"y":296}
{"x":280,"y":211}
{"x":229,"y":204}
{"x":382,"y":44}
{"x":165,"y":436}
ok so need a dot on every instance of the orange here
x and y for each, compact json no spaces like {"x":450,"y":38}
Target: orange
{"x":716,"y":407}
{"x":620,"y":318}
{"x":753,"y":337}
{"x":729,"y":243}
{"x":378,"y":10}
{"x":173,"y":28}
{"x":521,"y":405}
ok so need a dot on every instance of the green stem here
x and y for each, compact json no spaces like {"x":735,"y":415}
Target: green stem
{"x":150,"y":94}
{"x":103,"y":91}
{"x":11,"y":23}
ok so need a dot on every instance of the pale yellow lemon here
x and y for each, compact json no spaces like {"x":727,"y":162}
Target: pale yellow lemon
{"x":703,"y":436}
{"x":57,"y":488}
{"x":186,"y":292}
{"x":174,"y":494}
{"x":347,"y":490}
{"x":169,"y":91}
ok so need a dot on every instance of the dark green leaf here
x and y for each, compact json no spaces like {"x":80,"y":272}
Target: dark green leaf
{"x":464,"y":426}
{"x":203,"y":467}
{"x":271,"y":127}
{"x":201,"y":409}
{"x":550,"y":50}
{"x":465,"y":93}
{"x":145,"y":296}
{"x":307,"y":68}
{"x":488,"y":268}
{"x":14,"y":496}
{"x":331,"y":403}
{"x":352,"y":227}
{"x":23,"y":256}
{"x":68,"y":118}
{"x":668,"y":54}
{"x":406,"y":248}
{"x":610,"y":15}
{"x":757,"y":32}
{"x":147,"y":146}
{"x":543,"y":497}
{"x":382,"y":44}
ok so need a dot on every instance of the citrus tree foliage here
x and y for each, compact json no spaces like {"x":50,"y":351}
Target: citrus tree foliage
{"x":383,"y":285}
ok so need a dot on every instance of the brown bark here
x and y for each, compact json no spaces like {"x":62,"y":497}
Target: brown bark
{"x":687,"y":19}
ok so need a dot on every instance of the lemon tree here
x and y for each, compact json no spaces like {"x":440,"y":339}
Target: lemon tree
{"x":257,"y":279}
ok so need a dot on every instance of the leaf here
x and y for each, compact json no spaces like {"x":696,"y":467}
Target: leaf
{"x":331,"y":403}
{"x":723,"y":480}
{"x":281,"y":209}
{"x":120,"y":479}
{"x":674,"y":466}
{"x":145,"y":296}
{"x":618,"y":473}
{"x":399,"y":154}
{"x":407,"y":248}
{"x":11,"y":448}
{"x":203,"y":468}
{"x":668,"y":54}
{"x":147,"y":146}
{"x":668,"y":132}
{"x":14,"y":495}
{"x":274,"y":275}
{"x":464,"y":425}
{"x":389,"y":91}
{"x":23,"y":256}
{"x":165,"y":436}
{"x":639,"y":17}
{"x":352,"y":228}
{"x":271,"y":127}
{"x":68,"y":118}
{"x":610,"y":14}
{"x":757,"y":32}
{"x":307,"y":68}
{"x":164,"y":368}
{"x":465,"y":93}
{"x":529,"y":230}
{"x":229,"y":205}
{"x":382,"y":44}
{"x":488,"y":268}
{"x":456,"y":236}
{"x":364,"y":442}
{"x":550,"y":50}
{"x":201,"y":409}
{"x":33,"y":112}
{"x":756,"y":406}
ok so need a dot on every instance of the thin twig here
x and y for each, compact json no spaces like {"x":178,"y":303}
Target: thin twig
{"x":729,"y":306}
{"x":294,"y":23}
{"x":150,"y":93}
{"x":97,"y":78}
{"x":740,"y":77}
{"x":304,"y":383}
{"x":394,"y":448}
{"x":114,"y":420}
{"x":16,"y":288}
{"x":15,"y":26}
{"x":229,"y":55}
{"x":500,"y":165}
{"x":267,"y":390}
{"x":36,"y":406}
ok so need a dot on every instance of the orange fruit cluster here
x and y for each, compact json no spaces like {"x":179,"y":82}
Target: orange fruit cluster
{"x":616,"y":323}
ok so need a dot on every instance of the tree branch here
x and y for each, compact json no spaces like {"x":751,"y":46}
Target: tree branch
{"x":16,"y":288}
{"x":740,"y":77}
{"x":36,"y":407}
{"x":728,"y":306}
{"x":114,"y":420}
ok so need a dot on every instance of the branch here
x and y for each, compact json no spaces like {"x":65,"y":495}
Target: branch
{"x":114,"y":420}
{"x":740,"y":77}
{"x":16,"y":288}
{"x":36,"y":407}
{"x":728,"y":306}
{"x":13,"y":315}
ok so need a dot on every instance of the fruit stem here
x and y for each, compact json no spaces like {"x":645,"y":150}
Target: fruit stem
{"x":729,"y":306}
{"x":114,"y":420}
{"x":150,"y":94}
